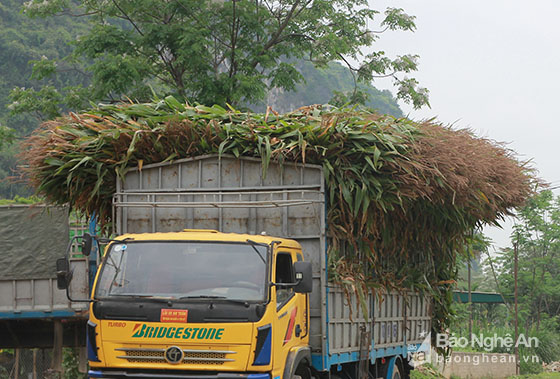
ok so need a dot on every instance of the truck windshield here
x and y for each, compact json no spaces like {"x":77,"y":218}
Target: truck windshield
{"x":184,"y":270}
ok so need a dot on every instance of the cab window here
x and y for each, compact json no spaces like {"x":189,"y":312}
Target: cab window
{"x":284,"y":274}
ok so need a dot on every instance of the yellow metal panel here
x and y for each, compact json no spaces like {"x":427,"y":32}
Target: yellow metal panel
{"x":196,"y":356}
{"x":210,"y":235}
{"x":176,"y":333}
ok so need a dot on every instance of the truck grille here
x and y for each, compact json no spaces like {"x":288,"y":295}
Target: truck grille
{"x":195,"y":357}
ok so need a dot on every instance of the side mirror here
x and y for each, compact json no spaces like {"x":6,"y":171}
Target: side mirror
{"x":87,"y":242}
{"x":304,"y":277}
{"x":63,"y":276}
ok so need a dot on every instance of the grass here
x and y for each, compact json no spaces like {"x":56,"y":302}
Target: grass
{"x":542,"y":375}
{"x":429,"y":372}
{"x":21,"y":200}
{"x":426,"y":371}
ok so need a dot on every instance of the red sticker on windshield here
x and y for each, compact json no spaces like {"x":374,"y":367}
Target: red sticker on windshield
{"x":173,"y":315}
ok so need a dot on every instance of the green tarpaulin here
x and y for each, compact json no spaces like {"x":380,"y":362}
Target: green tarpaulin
{"x":31,"y":239}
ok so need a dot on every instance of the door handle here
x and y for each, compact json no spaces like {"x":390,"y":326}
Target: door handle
{"x":298,"y":330}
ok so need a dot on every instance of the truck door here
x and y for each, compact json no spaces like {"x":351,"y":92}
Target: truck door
{"x":290,"y":311}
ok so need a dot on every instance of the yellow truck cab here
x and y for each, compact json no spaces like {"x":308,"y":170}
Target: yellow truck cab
{"x":222,"y":304}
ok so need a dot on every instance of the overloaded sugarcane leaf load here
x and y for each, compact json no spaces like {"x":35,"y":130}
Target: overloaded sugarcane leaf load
{"x":403,"y":196}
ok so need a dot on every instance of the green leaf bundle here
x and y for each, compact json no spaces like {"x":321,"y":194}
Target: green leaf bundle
{"x":402,"y":195}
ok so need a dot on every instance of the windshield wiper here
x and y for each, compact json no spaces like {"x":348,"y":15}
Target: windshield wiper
{"x":137,"y":296}
{"x":253,"y":244}
{"x":213,"y":297}
{"x":202,"y":297}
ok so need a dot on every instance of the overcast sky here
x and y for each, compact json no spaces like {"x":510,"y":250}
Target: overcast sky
{"x":492,"y":66}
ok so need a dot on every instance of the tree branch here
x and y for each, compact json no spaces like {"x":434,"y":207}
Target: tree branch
{"x":68,"y":13}
{"x":190,"y":15}
{"x":126,"y":17}
{"x":385,"y":76}
{"x":272,"y":41}
{"x":352,"y":71}
{"x":287,"y":36}
{"x":302,"y":8}
{"x":276,"y":36}
{"x":233,"y":39}
{"x":177,"y":76}
{"x":378,"y":31}
{"x":169,"y":18}
{"x":74,"y":69}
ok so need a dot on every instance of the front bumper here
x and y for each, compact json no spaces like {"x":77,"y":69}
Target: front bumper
{"x":120,"y":374}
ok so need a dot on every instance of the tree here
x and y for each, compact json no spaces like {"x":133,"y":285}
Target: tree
{"x":332,"y":84}
{"x":22,"y":40}
{"x":537,"y":236}
{"x":6,"y":136}
{"x":216,"y":51}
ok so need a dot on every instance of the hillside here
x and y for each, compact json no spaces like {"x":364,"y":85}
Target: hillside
{"x":319,"y":88}
{"x":24,"y":40}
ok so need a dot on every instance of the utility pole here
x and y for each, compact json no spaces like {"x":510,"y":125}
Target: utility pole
{"x":470,"y":299}
{"x":515,"y":252}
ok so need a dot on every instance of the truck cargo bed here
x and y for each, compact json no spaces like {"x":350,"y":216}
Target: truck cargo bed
{"x":32,"y":238}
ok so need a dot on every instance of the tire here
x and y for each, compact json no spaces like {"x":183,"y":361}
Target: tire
{"x":302,"y":372}
{"x":398,"y":372}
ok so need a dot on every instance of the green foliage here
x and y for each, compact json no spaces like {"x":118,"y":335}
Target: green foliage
{"x":46,"y":42}
{"x":43,"y":102}
{"x":215,"y":52}
{"x":7,"y":136}
{"x":333,"y":84}
{"x":548,"y":349}
{"x":481,"y":280}
{"x":21,"y":200}
{"x":43,"y":41}
{"x":537,"y":235}
{"x":426,"y":371}
{"x":544,"y":375}
{"x":11,"y":183}
{"x":49,"y":65}
{"x":344,"y":99}
{"x":70,"y":364}
{"x":42,"y":68}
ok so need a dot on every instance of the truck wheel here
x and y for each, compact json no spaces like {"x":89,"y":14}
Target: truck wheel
{"x":302,"y":372}
{"x":398,"y":372}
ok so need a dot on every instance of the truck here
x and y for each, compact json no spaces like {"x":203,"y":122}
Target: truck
{"x":33,"y":311}
{"x":219,"y":271}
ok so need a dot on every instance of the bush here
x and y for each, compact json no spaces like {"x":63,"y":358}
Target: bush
{"x":70,"y":363}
